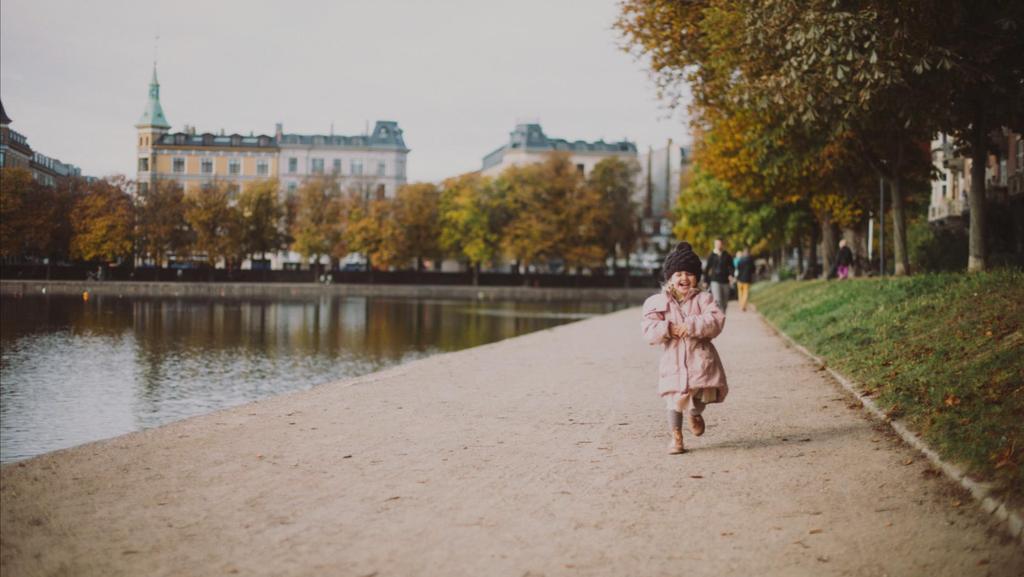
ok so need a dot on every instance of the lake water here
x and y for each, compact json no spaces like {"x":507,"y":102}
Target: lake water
{"x":74,"y":371}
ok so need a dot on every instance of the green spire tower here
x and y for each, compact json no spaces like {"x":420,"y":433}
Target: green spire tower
{"x":151,"y":126}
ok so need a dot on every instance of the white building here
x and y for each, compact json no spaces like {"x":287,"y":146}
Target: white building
{"x":528,"y":144}
{"x":372,"y":163}
{"x":951,"y":185}
{"x":657,"y":192}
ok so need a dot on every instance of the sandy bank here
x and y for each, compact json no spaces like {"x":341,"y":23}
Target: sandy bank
{"x":539,"y":455}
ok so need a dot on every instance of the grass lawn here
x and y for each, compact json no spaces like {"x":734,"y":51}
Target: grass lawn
{"x":942,"y":352}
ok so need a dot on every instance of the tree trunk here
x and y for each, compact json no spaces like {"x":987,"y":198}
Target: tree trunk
{"x":828,"y":245}
{"x":800,"y":258}
{"x":977,"y":251}
{"x":901,"y":265}
{"x":810,"y":271}
{"x":476,"y":273}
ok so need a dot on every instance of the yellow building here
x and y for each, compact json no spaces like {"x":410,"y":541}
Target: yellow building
{"x":197,"y":160}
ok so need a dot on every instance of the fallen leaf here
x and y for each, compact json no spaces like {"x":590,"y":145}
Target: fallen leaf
{"x":395,"y":498}
{"x":815,"y":531}
{"x":951,"y":400}
{"x":982,"y":561}
{"x":727,"y":534}
{"x":908,"y":461}
{"x":956,"y":503}
{"x":823,"y":558}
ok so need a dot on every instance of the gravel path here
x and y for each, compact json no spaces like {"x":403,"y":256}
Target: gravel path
{"x":539,"y":455}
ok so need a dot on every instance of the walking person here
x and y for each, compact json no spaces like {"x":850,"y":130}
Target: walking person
{"x":719,"y":271}
{"x":744,"y":276}
{"x":682,"y":319}
{"x":844,"y":260}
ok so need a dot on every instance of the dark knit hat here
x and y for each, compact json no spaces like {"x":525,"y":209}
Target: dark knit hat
{"x":681,"y":259}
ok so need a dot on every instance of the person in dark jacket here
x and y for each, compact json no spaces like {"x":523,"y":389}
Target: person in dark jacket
{"x":744,"y":276}
{"x":718,"y":269}
{"x":844,"y":260}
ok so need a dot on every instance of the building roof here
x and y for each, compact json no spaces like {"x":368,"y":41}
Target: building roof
{"x":153,"y":115}
{"x":188,"y":139}
{"x":386,"y":135}
{"x":531,"y":137}
{"x":4,"y":119}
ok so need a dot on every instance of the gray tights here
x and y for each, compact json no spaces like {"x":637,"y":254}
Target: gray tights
{"x":675,"y":418}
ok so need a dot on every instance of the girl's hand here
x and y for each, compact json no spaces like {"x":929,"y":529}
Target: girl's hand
{"x":677,"y":331}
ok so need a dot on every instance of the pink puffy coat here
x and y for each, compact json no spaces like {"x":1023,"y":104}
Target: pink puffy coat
{"x":691,"y":362}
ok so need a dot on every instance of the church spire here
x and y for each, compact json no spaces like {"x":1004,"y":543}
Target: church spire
{"x":153,"y":115}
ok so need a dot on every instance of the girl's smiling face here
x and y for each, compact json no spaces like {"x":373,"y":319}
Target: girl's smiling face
{"x":682,"y":281}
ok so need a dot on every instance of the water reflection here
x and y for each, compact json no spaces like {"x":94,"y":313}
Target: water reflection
{"x":74,"y":371}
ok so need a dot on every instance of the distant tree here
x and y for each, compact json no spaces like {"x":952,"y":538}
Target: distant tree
{"x":615,"y":181}
{"x":27,"y":225}
{"x":215,"y":223}
{"x":470,"y":219}
{"x":261,"y":213}
{"x":160,"y":226}
{"x":102,"y":220}
{"x":317,"y":225}
{"x":552,"y":214}
{"x":371,"y":229}
{"x":416,"y":212}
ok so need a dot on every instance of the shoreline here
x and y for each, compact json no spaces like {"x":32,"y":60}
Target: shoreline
{"x":307,"y":290}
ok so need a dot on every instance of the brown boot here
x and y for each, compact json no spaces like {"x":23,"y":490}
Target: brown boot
{"x":675,"y":446}
{"x":696,"y":425}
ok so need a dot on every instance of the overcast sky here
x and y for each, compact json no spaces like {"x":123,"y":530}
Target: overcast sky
{"x":455,"y":74}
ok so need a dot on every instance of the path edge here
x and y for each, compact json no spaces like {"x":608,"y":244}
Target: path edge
{"x":1011,"y":519}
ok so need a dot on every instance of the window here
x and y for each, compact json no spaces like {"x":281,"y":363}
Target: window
{"x":381,"y":169}
{"x":262,"y":168}
{"x":143,"y":165}
{"x":233,"y":189}
{"x":292,"y":186}
{"x":234,"y":167}
{"x":179,"y":165}
{"x":580,"y":169}
{"x":206,"y":167}
{"x":400,"y":169}
{"x":337,"y":166}
{"x":1020,"y":154}
{"x":357,"y":167}
{"x":143,"y":187}
{"x":318,"y":166}
{"x":381,"y":192}
{"x":293,"y":165}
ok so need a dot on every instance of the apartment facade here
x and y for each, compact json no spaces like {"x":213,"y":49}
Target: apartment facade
{"x":657,"y":191}
{"x":527,"y":144}
{"x":15,"y":152}
{"x":1004,"y":177}
{"x":197,"y":160}
{"x":373,"y":164}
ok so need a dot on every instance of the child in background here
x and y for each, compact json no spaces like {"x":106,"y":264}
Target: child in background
{"x":682,"y":320}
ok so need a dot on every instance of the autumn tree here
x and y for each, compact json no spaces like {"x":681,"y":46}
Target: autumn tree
{"x":552,"y":215}
{"x":160,"y":221}
{"x":215,"y":224}
{"x":261,"y":216}
{"x":26,"y":224}
{"x":317,"y":222}
{"x":470,"y":216}
{"x":816,"y":70}
{"x":614,"y":180}
{"x":371,"y":229}
{"x":416,"y":212}
{"x":102,"y":221}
